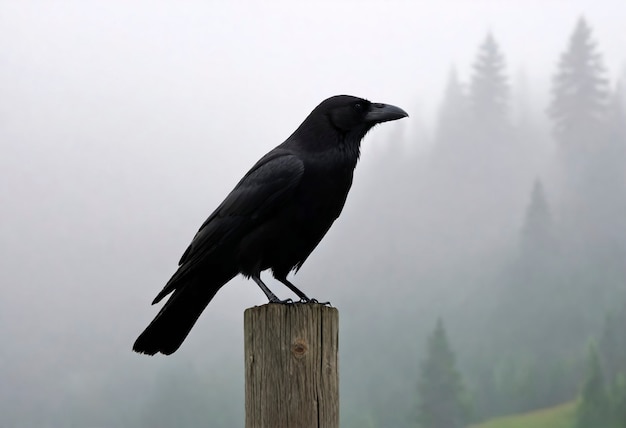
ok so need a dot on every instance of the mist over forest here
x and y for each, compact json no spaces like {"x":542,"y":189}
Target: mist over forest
{"x":487,"y":230}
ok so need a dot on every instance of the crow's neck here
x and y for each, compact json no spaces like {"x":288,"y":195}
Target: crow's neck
{"x":315,"y":139}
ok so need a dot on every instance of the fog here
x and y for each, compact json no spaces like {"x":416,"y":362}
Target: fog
{"x":123,"y":125}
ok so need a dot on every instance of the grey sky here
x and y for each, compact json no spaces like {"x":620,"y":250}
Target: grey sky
{"x":140,"y":116}
{"x":222,"y":54}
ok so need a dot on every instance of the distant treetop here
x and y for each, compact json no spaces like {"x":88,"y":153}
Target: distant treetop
{"x":580,"y":90}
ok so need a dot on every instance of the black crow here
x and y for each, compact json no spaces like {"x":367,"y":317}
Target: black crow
{"x":273,"y":219}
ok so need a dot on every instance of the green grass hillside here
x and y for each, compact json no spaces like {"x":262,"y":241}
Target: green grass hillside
{"x":561,"y":416}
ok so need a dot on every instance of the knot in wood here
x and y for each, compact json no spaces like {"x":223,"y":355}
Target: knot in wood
{"x":299,"y":348}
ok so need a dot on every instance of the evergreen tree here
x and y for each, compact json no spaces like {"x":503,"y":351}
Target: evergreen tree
{"x":613,"y":351}
{"x":618,"y":402}
{"x":579,"y":111}
{"x":489,"y":90}
{"x":613,"y":343}
{"x":497,"y":161}
{"x":594,"y":194}
{"x":594,"y":408}
{"x":580,"y":91}
{"x":536,"y":322}
{"x":441,"y":394}
{"x":487,"y":165}
{"x":537,"y":234}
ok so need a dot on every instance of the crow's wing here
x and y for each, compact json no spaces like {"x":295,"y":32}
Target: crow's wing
{"x":260,"y":192}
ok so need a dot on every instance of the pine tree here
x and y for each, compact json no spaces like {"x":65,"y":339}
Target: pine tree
{"x":537,"y":234}
{"x":489,"y":90}
{"x":592,"y":161}
{"x":594,"y":408}
{"x":613,"y":343}
{"x":497,"y":161}
{"x":613,"y":351}
{"x":487,"y":185}
{"x":441,"y":394}
{"x":618,"y":402}
{"x":580,"y":91}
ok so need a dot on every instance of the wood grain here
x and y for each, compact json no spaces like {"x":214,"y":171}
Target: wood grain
{"x":292,"y":378}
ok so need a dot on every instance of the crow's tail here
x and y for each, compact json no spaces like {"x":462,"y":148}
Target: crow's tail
{"x":172,"y":324}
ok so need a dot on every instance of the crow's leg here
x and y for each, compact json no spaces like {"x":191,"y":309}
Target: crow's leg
{"x":271,"y":296}
{"x":295,"y":289}
{"x":303,"y":297}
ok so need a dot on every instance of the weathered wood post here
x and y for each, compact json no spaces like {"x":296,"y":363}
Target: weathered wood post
{"x":292,"y":378}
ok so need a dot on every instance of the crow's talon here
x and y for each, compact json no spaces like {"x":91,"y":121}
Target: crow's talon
{"x":282,"y":302}
{"x":314,"y":301}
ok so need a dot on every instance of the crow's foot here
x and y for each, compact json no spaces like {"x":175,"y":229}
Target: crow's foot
{"x":314,"y":301}
{"x":281,"y":302}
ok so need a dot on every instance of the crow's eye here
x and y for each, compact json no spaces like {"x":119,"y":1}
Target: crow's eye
{"x":358,"y":107}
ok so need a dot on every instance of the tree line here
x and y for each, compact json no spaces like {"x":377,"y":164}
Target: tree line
{"x":562,"y":285}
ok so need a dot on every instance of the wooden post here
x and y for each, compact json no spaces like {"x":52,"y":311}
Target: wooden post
{"x":292,"y":378}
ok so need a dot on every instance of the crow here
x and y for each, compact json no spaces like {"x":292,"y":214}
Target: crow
{"x":273,"y":218}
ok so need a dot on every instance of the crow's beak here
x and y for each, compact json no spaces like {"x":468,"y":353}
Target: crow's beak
{"x":384,"y":113}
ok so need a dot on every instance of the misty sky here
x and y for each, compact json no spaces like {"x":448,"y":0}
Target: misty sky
{"x":137,"y":100}
{"x":123,"y":124}
{"x":225,"y":60}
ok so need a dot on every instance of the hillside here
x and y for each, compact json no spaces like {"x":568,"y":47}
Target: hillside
{"x":561,"y":416}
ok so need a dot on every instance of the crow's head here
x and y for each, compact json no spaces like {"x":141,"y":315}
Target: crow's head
{"x":348,"y":113}
{"x":342,"y":120}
